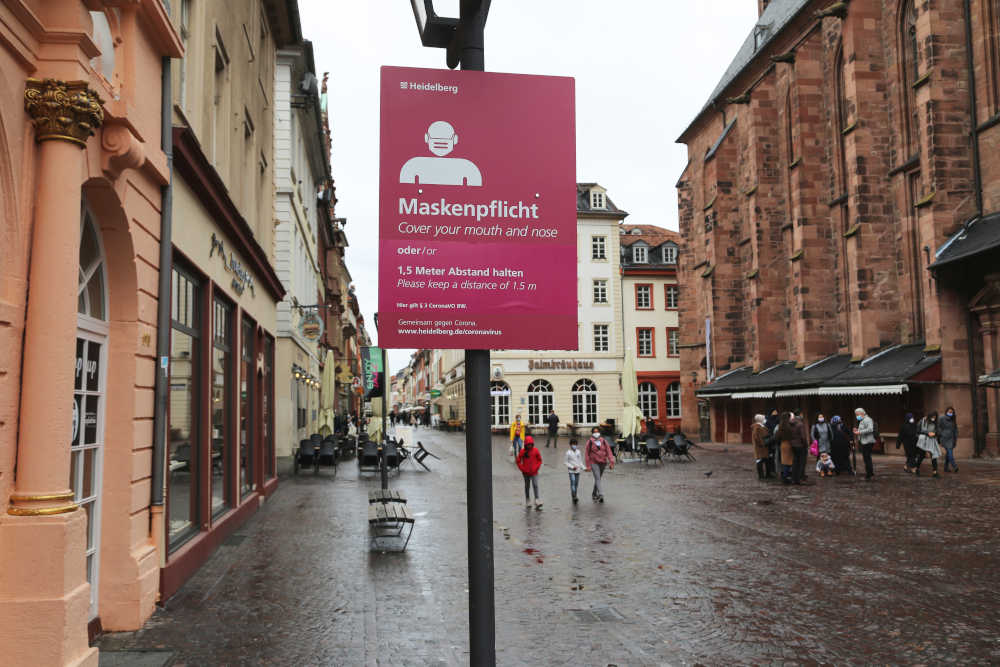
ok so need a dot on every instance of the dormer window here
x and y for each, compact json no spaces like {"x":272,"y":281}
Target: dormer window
{"x":669,"y":254}
{"x":640,"y":254}
{"x":597,"y":200}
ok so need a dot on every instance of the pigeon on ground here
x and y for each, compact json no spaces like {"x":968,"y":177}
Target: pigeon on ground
{"x":708,"y":474}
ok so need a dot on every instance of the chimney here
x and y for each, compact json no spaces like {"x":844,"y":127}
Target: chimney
{"x":762,"y":5}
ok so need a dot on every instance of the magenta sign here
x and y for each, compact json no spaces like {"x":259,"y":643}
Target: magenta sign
{"x":477,"y":211}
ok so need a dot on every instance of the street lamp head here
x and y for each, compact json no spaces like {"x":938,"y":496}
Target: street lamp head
{"x":435,"y":31}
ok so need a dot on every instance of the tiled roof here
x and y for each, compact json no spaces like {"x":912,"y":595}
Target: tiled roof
{"x":583,"y":202}
{"x":777,"y":15}
{"x":652,"y":235}
{"x":979,"y":236}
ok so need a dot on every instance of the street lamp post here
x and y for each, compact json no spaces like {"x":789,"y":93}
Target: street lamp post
{"x":463,"y":39}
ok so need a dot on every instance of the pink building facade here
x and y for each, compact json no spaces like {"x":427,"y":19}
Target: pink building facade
{"x":81,"y":172}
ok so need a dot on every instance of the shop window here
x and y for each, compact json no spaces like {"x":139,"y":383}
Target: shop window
{"x":540,"y":401}
{"x":247,"y":416}
{"x":222,"y":338}
{"x":674,"y":400}
{"x":183,"y":443}
{"x":584,"y":395}
{"x":644,"y":342}
{"x":672,"y":296}
{"x":601,"y":338}
{"x":673,"y":342}
{"x":598,"y":248}
{"x":648,"y":400}
{"x":600,"y":291}
{"x":644,"y":297}
{"x":266,"y":411}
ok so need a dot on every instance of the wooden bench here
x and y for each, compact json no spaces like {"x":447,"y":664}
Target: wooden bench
{"x":386,"y":496}
{"x":387,"y":521}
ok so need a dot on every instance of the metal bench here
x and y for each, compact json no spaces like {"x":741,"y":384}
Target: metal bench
{"x":388,"y":521}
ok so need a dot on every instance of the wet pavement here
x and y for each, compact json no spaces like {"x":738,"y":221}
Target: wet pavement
{"x":676,"y":567}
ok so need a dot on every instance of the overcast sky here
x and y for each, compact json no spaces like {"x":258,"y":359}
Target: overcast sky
{"x":643,"y":69}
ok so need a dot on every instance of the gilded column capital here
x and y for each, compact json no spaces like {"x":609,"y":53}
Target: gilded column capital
{"x":66,"y":110}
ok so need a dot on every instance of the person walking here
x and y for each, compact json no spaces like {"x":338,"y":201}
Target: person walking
{"x":553,"y":421}
{"x":773,"y":451}
{"x":758,"y":433}
{"x":784,"y":433}
{"x":840,"y":448}
{"x":908,"y":434}
{"x":927,"y":443}
{"x":529,"y":462}
{"x":575,"y":465}
{"x":517,"y":433}
{"x":800,"y":448}
{"x":947,"y":436}
{"x":864,"y":435}
{"x":822,"y":435}
{"x":597,"y":457}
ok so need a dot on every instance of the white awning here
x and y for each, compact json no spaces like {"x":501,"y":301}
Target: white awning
{"x":714,"y":395}
{"x":752,"y":394}
{"x":864,"y":391}
{"x":805,"y":391}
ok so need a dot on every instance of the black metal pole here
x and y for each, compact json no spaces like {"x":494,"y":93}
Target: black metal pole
{"x":478,"y":440}
{"x":385,"y":435}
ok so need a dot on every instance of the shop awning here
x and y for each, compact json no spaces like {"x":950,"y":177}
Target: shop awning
{"x":752,"y":394}
{"x":872,"y":390}
{"x":805,"y":391}
{"x":714,"y":395}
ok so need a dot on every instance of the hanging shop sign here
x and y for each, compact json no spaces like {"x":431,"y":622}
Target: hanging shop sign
{"x":311,"y":325}
{"x":435,"y":393}
{"x":477,"y":211}
{"x":372,"y":374}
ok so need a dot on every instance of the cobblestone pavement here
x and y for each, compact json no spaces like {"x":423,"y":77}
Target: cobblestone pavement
{"x":677,"y":567}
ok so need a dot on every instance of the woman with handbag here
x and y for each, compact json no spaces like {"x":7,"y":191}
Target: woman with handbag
{"x":927,"y":443}
{"x":822,"y":436}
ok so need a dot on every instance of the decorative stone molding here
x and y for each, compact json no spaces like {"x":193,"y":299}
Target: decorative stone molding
{"x":122,"y":150}
{"x":66,"y":110}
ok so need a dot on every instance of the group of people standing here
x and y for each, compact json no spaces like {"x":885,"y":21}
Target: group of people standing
{"x":596,"y":457}
{"x":929,"y":437}
{"x":782,"y":439}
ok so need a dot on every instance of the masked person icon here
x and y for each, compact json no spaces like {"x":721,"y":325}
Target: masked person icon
{"x":441,"y":139}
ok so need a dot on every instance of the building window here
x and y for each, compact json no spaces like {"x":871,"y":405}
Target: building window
{"x":640,"y":254}
{"x":991,"y":22}
{"x":601,"y":339}
{"x":843,"y":113}
{"x":673,"y":294}
{"x":597,"y":199}
{"x":648,"y":400}
{"x":600,"y":291}
{"x":584,"y":395}
{"x":222,"y":338}
{"x":247,"y":377}
{"x":673,"y":342}
{"x":669,"y":254}
{"x":183,"y":451}
{"x":644,"y":342}
{"x":910,"y":59}
{"x":598,"y":247}
{"x":500,"y":404}
{"x":644,"y":297}
{"x":789,"y":128}
{"x":540,"y":401}
{"x":674,"y":401}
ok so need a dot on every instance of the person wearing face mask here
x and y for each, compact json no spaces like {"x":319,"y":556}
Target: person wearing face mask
{"x":529,"y":462}
{"x":947,"y":434}
{"x":598,"y":455}
{"x":864,"y":433}
{"x":822,"y":434}
{"x":908,"y":435}
{"x":927,"y":442}
{"x":840,"y":448}
{"x":574,"y":464}
{"x":760,"y":451}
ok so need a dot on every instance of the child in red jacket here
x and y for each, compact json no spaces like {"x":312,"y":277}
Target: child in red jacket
{"x":529,"y":461}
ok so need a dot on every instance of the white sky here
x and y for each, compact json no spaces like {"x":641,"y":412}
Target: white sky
{"x":643,"y":69}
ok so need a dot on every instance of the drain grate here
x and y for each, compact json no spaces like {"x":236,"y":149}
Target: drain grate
{"x":597,"y":615}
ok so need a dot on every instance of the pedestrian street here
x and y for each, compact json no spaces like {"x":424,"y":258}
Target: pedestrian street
{"x":677,"y":567}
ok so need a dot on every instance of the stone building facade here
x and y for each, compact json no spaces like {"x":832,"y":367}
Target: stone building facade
{"x":835,"y":173}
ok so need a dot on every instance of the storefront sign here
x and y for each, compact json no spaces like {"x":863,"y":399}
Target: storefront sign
{"x":311,"y":325}
{"x":372,"y":373}
{"x":560,"y":365}
{"x":477,"y":211}
{"x":242,"y":279}
{"x":435,"y":393}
